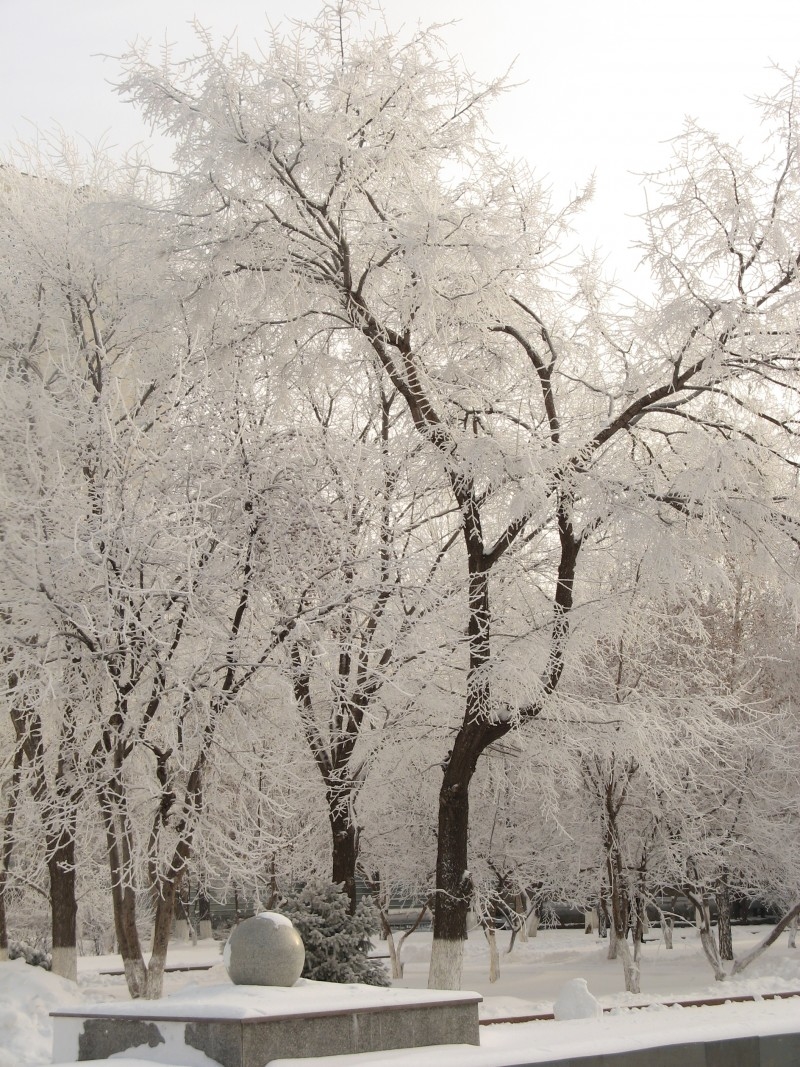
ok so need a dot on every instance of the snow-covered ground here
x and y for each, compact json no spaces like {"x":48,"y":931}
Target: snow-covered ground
{"x":530,"y":981}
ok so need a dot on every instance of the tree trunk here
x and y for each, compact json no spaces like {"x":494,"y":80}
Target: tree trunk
{"x":420,"y":916}
{"x":3,"y":920}
{"x":453,"y":883}
{"x":123,"y":897}
{"x":630,"y":966}
{"x":494,"y":955}
{"x":521,"y":909}
{"x":745,"y":961}
{"x":477,"y":732}
{"x":130,"y":949}
{"x":7,"y":848}
{"x":345,"y":850}
{"x":382,"y":902}
{"x":703,"y":919}
{"x":63,"y":905}
{"x":619,"y":905}
{"x":724,"y":933}
{"x":204,"y":928}
{"x":602,"y":920}
{"x":667,"y":928}
{"x":162,"y":928}
{"x":182,"y":922}
{"x":612,"y":942}
{"x":388,"y":933}
{"x":793,"y":933}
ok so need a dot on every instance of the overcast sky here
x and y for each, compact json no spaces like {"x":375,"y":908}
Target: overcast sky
{"x":604,"y":83}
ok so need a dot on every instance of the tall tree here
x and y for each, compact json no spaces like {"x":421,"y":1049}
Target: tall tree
{"x":135,"y":546}
{"x":344,"y":179}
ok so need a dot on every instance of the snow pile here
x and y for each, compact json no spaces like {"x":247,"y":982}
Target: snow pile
{"x":27,"y":996}
{"x":576,"y":1002}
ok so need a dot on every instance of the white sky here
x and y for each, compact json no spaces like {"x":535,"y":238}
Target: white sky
{"x":605,"y":81}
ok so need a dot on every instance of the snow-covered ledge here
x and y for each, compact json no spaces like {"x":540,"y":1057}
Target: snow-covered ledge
{"x":247,"y":1026}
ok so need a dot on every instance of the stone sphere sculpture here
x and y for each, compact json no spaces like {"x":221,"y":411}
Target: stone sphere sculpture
{"x":264,"y":950}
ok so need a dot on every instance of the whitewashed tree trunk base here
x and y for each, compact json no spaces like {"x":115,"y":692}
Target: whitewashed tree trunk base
{"x":494,"y":955}
{"x":136,"y":977}
{"x":667,"y":928}
{"x":447,"y":960}
{"x":630,"y":966}
{"x":65,"y":963}
{"x":793,"y":933}
{"x":204,"y":931}
{"x":397,"y":967}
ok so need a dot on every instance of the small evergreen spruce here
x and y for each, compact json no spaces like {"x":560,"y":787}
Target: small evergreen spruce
{"x":336,"y":942}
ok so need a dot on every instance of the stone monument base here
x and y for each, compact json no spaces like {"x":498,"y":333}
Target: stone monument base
{"x":248,"y":1026}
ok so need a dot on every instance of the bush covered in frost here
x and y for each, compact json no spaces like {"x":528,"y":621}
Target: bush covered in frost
{"x":36,"y":957}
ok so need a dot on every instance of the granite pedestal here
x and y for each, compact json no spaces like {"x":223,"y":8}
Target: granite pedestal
{"x":248,"y":1026}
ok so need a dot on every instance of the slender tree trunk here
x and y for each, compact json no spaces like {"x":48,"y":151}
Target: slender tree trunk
{"x":3,"y":924}
{"x":710,"y":950}
{"x":793,"y":933}
{"x":123,"y":897}
{"x":420,"y":916}
{"x":667,"y":928}
{"x":205,"y":931}
{"x":181,"y":918}
{"x":618,"y":900}
{"x":745,"y":961}
{"x":602,"y":919}
{"x":397,"y":966}
{"x":130,"y":949}
{"x":494,"y":956}
{"x":724,"y":932}
{"x":388,"y":937}
{"x":612,"y":942}
{"x":521,"y":909}
{"x":8,"y":846}
{"x":630,"y":966}
{"x":162,"y":928}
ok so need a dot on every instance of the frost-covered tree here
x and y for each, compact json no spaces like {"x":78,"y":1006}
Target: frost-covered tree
{"x":343,"y":179}
{"x":137,"y":537}
{"x":68,"y":324}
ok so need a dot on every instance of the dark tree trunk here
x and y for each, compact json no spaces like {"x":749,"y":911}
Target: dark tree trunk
{"x":724,"y":932}
{"x":162,"y":929}
{"x":344,"y":852}
{"x":453,"y":878}
{"x":3,"y":920}
{"x":7,"y":848}
{"x":63,"y":905}
{"x":123,"y":897}
{"x":130,"y":948}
